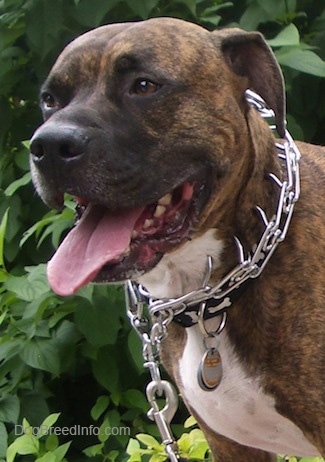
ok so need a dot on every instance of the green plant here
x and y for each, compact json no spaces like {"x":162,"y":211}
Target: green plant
{"x":42,"y":443}
{"x":78,"y":355}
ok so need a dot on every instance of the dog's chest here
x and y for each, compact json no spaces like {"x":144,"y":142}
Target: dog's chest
{"x":238,"y":408}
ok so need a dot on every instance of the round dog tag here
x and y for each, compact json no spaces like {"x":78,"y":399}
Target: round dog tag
{"x":210,"y":370}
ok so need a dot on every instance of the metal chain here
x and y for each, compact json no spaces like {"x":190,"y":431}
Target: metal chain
{"x":151,"y":335}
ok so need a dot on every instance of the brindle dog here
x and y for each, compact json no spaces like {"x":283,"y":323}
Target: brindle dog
{"x":148,"y":127}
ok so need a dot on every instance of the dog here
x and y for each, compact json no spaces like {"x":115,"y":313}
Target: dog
{"x":148,"y":126}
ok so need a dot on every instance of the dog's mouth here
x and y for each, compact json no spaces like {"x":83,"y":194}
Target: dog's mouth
{"x":107,"y":246}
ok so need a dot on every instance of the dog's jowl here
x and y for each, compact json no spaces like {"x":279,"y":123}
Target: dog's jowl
{"x":180,"y":184}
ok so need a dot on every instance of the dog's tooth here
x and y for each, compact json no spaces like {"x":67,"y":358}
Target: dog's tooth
{"x":134,"y":234}
{"x":147,"y":223}
{"x":166,"y":199}
{"x":160,"y":210}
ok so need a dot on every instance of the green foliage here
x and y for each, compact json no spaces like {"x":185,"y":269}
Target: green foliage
{"x":42,"y":444}
{"x":78,"y":355}
{"x":191,"y":446}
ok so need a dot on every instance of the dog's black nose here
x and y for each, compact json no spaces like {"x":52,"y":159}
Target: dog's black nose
{"x":62,"y":144}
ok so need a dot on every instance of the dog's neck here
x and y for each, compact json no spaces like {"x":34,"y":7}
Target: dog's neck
{"x":184,"y":269}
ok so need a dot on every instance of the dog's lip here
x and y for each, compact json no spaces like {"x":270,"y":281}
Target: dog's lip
{"x":152,"y":235}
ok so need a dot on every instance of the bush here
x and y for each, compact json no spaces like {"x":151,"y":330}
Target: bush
{"x":77,"y":355}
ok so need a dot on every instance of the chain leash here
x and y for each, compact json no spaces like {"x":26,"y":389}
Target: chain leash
{"x":151,"y":335}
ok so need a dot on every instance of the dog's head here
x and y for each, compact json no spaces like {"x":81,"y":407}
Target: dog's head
{"x":142,"y":124}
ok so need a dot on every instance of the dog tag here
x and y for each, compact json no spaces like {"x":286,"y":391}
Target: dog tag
{"x":210,"y":370}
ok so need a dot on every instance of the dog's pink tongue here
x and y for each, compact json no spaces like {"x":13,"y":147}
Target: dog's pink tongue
{"x":99,"y":237}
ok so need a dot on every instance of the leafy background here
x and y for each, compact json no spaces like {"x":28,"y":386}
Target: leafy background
{"x":68,"y":361}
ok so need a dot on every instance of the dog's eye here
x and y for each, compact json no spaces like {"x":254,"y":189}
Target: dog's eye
{"x":144,"y":87}
{"x":48,"y":100}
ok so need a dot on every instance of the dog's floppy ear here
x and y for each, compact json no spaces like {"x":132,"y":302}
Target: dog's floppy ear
{"x":248,"y":55}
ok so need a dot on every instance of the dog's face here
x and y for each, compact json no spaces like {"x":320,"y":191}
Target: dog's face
{"x":142,"y":122}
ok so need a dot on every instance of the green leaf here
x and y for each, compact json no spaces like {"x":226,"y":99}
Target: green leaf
{"x":143,"y":8}
{"x":52,"y":442}
{"x":15,"y":185}
{"x":104,"y":433}
{"x":61,"y":451}
{"x":91,"y":13}
{"x":214,"y":19}
{"x":52,"y":224}
{"x":43,"y":25}
{"x":94,"y":450}
{"x":9,"y":348}
{"x":9,"y":409}
{"x":302,"y":60}
{"x":34,"y":406}
{"x":106,"y":369}
{"x":100,"y":407}
{"x":311,"y":459}
{"x":211,"y":10}
{"x":190,"y":422}
{"x":24,"y":445}
{"x":38,"y":227}
{"x":135,"y":399}
{"x":252,"y":17}
{"x":3,"y":440}
{"x":3,"y":226}
{"x":136,"y":457}
{"x":191,"y":5}
{"x":133,"y":447}
{"x":66,"y":337}
{"x":199,"y":450}
{"x":158,"y":457}
{"x":41,"y":354}
{"x":31,"y":286}
{"x":98,"y":321}
{"x":135,"y":349}
{"x":3,"y":275}
{"x":184,"y":443}
{"x":47,"y":457}
{"x":148,"y":440}
{"x":47,"y":423}
{"x":289,"y":36}
{"x":113,"y":455}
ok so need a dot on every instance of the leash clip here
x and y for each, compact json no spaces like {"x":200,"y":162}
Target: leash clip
{"x":163,"y":416}
{"x":151,"y":335}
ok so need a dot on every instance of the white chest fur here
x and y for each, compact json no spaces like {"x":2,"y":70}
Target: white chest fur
{"x":182,"y":271}
{"x":238,"y":408}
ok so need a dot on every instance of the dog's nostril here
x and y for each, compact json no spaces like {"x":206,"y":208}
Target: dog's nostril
{"x":68,"y":151}
{"x":37,"y":150}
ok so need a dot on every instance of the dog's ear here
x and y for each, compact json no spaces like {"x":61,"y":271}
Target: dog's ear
{"x":248,"y":55}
